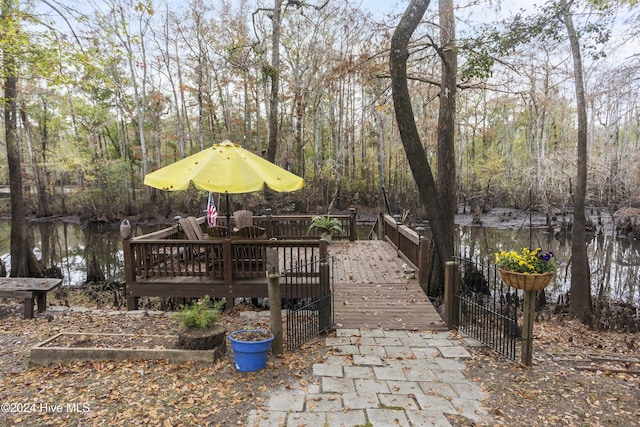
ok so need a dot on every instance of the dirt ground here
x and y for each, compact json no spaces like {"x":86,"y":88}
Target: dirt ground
{"x":580,"y":377}
{"x":132,"y":392}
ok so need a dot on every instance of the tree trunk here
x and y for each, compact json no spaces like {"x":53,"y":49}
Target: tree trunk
{"x":431,"y":199}
{"x":183,"y":105}
{"x":580,"y":274}
{"x":126,"y":39}
{"x":39,"y":175}
{"x":318,"y":156}
{"x":380,"y":121}
{"x":166,"y":58}
{"x":446,"y":123}
{"x":274,"y":75}
{"x":23,"y":261}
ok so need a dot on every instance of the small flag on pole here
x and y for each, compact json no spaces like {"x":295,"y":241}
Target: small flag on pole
{"x":212,"y":212}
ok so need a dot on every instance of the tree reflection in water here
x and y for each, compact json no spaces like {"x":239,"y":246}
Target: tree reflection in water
{"x":71,"y":248}
{"x":614,"y":262}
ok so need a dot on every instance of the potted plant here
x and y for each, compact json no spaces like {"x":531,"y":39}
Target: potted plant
{"x":529,"y":270}
{"x":325,"y":225}
{"x":251,"y":348}
{"x":199,"y":327}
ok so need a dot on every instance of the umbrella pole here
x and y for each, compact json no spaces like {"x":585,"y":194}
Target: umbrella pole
{"x":228,"y":214}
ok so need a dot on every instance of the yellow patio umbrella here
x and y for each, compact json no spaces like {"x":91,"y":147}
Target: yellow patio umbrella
{"x":224,"y":168}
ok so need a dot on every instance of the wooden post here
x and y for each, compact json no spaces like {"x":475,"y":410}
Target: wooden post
{"x":275,"y":300}
{"x":423,"y":260}
{"x":451,"y":291}
{"x":41,"y":299}
{"x":269,"y":224}
{"x":227,"y":272}
{"x":396,"y":224}
{"x":27,"y":309}
{"x":323,"y":250}
{"x":381,"y":226}
{"x":353,"y":231}
{"x":529,"y":313}
{"x":325,"y":310}
{"x":129,"y":273}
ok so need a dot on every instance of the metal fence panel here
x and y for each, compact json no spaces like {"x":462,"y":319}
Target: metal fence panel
{"x":488,"y":308}
{"x":308,"y":302}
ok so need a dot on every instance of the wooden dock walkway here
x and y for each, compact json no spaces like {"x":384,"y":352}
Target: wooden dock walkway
{"x":370,"y":290}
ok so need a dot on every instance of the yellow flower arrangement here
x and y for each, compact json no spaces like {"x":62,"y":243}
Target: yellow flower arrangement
{"x":528,"y":261}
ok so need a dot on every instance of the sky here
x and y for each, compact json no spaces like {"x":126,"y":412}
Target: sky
{"x":487,"y":7}
{"x":381,"y":7}
{"x":486,"y":11}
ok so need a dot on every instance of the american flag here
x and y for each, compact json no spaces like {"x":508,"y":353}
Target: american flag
{"x":212,"y":212}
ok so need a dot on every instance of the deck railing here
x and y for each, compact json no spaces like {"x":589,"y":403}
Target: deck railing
{"x":417,"y":250}
{"x":165,"y":263}
{"x":297,"y":226}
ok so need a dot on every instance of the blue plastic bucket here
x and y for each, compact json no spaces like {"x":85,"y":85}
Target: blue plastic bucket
{"x":250,"y":356}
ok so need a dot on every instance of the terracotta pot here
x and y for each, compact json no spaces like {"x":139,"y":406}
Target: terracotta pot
{"x":526,"y":282}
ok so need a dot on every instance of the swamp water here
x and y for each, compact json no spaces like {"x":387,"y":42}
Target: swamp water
{"x":71,"y":246}
{"x":614,"y":263}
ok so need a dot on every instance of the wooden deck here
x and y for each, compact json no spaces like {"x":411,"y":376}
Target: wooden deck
{"x":370,"y":290}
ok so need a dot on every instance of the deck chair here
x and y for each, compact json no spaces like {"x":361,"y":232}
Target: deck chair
{"x":218,"y":232}
{"x":252,"y":232}
{"x":191,"y":228}
{"x":249,"y":257}
{"x":243,"y":218}
{"x":216,"y":264}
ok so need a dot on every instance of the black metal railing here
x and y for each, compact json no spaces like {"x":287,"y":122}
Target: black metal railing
{"x":487,"y":308}
{"x":309,"y":304}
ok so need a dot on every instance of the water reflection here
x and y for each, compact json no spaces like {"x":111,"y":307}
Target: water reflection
{"x":614,"y":263}
{"x":71,"y":247}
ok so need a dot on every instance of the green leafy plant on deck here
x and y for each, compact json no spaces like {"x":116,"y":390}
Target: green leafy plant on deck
{"x":200,"y":314}
{"x":325,"y":224}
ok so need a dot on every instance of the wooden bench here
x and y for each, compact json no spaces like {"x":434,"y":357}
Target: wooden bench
{"x":29,"y":289}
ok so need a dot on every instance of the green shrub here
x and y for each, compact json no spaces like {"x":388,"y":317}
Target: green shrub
{"x":201,"y":314}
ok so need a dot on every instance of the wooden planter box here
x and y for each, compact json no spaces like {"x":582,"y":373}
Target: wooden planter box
{"x":50,"y":352}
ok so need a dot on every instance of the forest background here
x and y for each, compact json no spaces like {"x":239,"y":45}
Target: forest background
{"x":108,"y":91}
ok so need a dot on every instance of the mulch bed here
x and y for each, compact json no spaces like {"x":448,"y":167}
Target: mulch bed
{"x":133,"y":341}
